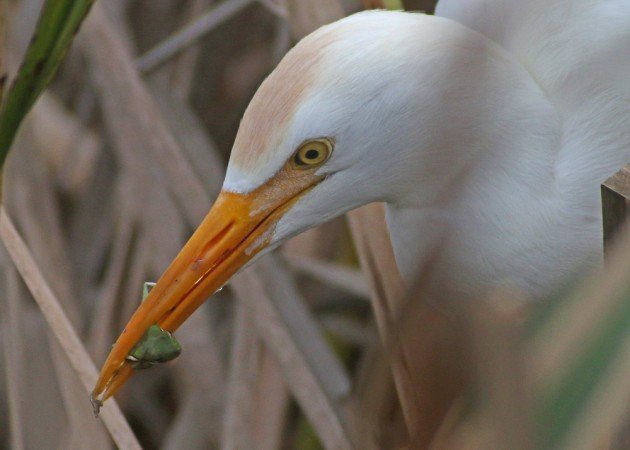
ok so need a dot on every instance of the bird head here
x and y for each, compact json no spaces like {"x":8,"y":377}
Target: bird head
{"x":316,"y":141}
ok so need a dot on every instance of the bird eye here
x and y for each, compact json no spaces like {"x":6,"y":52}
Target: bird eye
{"x":312,"y":153}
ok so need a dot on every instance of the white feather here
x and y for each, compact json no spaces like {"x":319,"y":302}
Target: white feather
{"x":493,"y":133}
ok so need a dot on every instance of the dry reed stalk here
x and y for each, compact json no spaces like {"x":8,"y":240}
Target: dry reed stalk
{"x":371,"y":240}
{"x":244,"y":362}
{"x":70,"y":150}
{"x":381,"y":417}
{"x":319,"y":398}
{"x":349,"y":330}
{"x":31,"y":196}
{"x":336,"y":275}
{"x":81,"y":429}
{"x":62,"y":328}
{"x":13,"y":350}
{"x":101,"y":331}
{"x":272,"y":401}
{"x":277,"y":7}
{"x":140,"y":255}
{"x":190,"y":33}
{"x":32,"y":191}
{"x":615,"y":203}
{"x":497,"y":352}
{"x":467,"y":431}
{"x":203,"y":387}
{"x":128,"y":95}
{"x":154,"y":207}
{"x":171,"y":88}
{"x":194,"y":141}
{"x":450,"y":426}
{"x":36,"y":202}
{"x":40,"y":414}
{"x":304,"y":329}
{"x":427,"y":361}
{"x":117,"y":9}
{"x":321,"y":242}
{"x":95,"y":211}
{"x":180,"y":73}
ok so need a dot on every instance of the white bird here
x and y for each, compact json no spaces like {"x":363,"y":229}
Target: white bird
{"x":493,"y":122}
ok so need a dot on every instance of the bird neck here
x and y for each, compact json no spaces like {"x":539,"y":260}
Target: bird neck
{"x":489,"y":136}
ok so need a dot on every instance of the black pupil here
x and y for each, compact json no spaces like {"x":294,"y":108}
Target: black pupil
{"x":311,"y":154}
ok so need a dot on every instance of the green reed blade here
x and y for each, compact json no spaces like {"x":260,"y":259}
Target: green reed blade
{"x":58,"y":22}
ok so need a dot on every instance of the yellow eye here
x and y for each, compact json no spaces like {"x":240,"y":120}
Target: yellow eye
{"x":312,"y":153}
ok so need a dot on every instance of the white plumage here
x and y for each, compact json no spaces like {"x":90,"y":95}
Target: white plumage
{"x":578,"y":53}
{"x":495,"y":123}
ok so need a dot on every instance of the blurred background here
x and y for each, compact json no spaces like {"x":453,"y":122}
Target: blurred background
{"x":119,"y":161}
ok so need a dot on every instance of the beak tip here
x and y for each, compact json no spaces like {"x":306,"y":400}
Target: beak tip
{"x":218,"y":248}
{"x":96,"y":404}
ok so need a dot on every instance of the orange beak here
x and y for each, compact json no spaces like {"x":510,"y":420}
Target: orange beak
{"x":237,"y":228}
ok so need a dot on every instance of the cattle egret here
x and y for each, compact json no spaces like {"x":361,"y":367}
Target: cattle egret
{"x":494,"y":122}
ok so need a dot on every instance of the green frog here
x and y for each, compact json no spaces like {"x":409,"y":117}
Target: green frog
{"x":156,"y":346}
